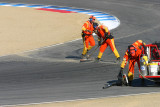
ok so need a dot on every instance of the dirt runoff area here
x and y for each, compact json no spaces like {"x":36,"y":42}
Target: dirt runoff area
{"x":23,"y":29}
{"x":146,"y":100}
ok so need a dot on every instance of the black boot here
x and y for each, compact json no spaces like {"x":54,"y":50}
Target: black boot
{"x":97,"y":59}
{"x":130,"y":83}
{"x":83,"y":56}
{"x":118,"y":60}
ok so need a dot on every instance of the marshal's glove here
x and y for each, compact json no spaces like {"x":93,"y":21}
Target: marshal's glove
{"x":106,"y":35}
{"x":99,"y":43}
{"x":83,"y":34}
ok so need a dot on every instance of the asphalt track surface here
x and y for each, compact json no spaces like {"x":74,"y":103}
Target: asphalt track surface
{"x":54,"y":73}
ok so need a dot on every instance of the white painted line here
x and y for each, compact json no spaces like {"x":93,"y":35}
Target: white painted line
{"x":81,"y":99}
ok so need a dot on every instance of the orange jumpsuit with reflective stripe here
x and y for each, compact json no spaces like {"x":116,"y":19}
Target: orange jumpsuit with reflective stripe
{"x":88,"y":40}
{"x":132,"y":60}
{"x":101,"y":32}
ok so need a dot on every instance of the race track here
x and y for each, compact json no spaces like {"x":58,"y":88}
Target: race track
{"x":54,"y":73}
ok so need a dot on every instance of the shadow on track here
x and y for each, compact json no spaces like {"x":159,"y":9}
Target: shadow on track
{"x":135,"y":83}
